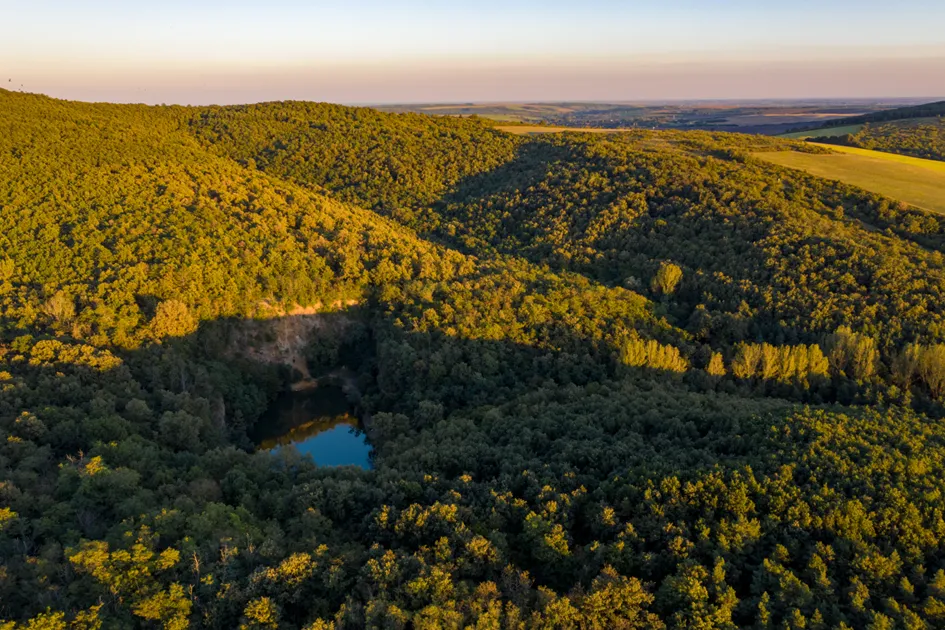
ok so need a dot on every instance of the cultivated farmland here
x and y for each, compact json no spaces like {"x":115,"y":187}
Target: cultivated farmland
{"x":528,"y":130}
{"x":918,"y":182}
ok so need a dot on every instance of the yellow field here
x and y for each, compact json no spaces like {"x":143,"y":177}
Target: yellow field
{"x":933,"y":165}
{"x":527,"y":130}
{"x":918,"y":182}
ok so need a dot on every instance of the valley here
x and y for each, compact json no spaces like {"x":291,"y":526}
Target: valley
{"x":767,"y":117}
{"x":648,"y":379}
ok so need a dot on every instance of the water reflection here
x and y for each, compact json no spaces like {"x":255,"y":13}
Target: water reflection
{"x":319,"y":423}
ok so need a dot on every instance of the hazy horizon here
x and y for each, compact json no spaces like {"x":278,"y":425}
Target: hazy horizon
{"x":368,"y":52}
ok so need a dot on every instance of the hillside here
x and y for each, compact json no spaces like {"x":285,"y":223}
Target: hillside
{"x":926,"y":110}
{"x":921,"y":138}
{"x":381,"y":161}
{"x":918,"y":131}
{"x":936,"y":109}
{"x":640,"y":380}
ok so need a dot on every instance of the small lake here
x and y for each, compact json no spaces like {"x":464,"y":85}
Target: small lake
{"x":318,"y":422}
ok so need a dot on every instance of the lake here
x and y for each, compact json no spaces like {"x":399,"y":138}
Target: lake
{"x":317,"y":422}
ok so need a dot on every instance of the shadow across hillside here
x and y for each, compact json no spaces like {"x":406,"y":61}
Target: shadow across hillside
{"x":229,"y":371}
{"x":460,"y":213}
{"x":158,"y":438}
{"x":528,"y":167}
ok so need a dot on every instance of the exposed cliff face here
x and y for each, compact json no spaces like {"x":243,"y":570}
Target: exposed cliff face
{"x":280,"y":337}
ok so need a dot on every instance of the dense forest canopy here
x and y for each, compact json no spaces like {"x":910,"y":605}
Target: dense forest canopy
{"x":918,"y":131}
{"x":630,"y":381}
{"x":921,"y":138}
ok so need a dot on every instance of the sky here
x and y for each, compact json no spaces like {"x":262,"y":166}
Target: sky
{"x":420,"y":51}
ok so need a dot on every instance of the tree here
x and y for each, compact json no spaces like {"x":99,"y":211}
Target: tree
{"x":60,"y":307}
{"x":853,"y":355}
{"x":667,"y":278}
{"x":716,"y":366}
{"x":260,"y":613}
{"x":172,"y":319}
{"x":747,"y":360}
{"x":616,"y":601}
{"x":931,"y":367}
{"x":905,"y":365}
{"x":651,"y":354}
{"x":7,"y":269}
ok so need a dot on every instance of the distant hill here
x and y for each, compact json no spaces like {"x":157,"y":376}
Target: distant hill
{"x":901,"y":113}
{"x":918,"y":137}
{"x":927,"y":110}
{"x":918,"y":131}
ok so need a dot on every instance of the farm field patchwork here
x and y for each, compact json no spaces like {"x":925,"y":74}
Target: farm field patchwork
{"x":527,"y":130}
{"x":915,"y":181}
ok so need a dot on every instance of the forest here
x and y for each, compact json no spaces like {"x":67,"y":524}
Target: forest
{"x":925,"y":110}
{"x":921,"y":138}
{"x":640,"y":380}
{"x":918,"y":130}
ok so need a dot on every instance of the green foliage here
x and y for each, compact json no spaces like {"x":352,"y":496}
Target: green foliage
{"x":172,"y":319}
{"x":923,"y":138}
{"x":666,"y":279}
{"x":390,"y":163}
{"x":653,"y":355}
{"x":716,"y":366}
{"x":853,"y":354}
{"x":545,"y":455}
{"x":782,"y":363}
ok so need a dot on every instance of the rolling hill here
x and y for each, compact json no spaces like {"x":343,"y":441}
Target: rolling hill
{"x":917,"y":131}
{"x":636,"y":380}
{"x":927,"y":110}
{"x":921,"y":138}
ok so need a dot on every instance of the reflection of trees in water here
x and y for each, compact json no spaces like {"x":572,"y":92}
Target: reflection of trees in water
{"x":300,"y":408}
{"x":305,"y":430}
{"x":298,"y":416}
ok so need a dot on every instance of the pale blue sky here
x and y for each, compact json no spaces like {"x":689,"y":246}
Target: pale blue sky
{"x":424,"y":50}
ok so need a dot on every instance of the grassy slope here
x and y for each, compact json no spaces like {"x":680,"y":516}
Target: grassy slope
{"x":932,"y":165}
{"x":913,"y":180}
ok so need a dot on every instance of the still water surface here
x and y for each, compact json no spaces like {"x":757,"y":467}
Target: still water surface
{"x":318,"y":423}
